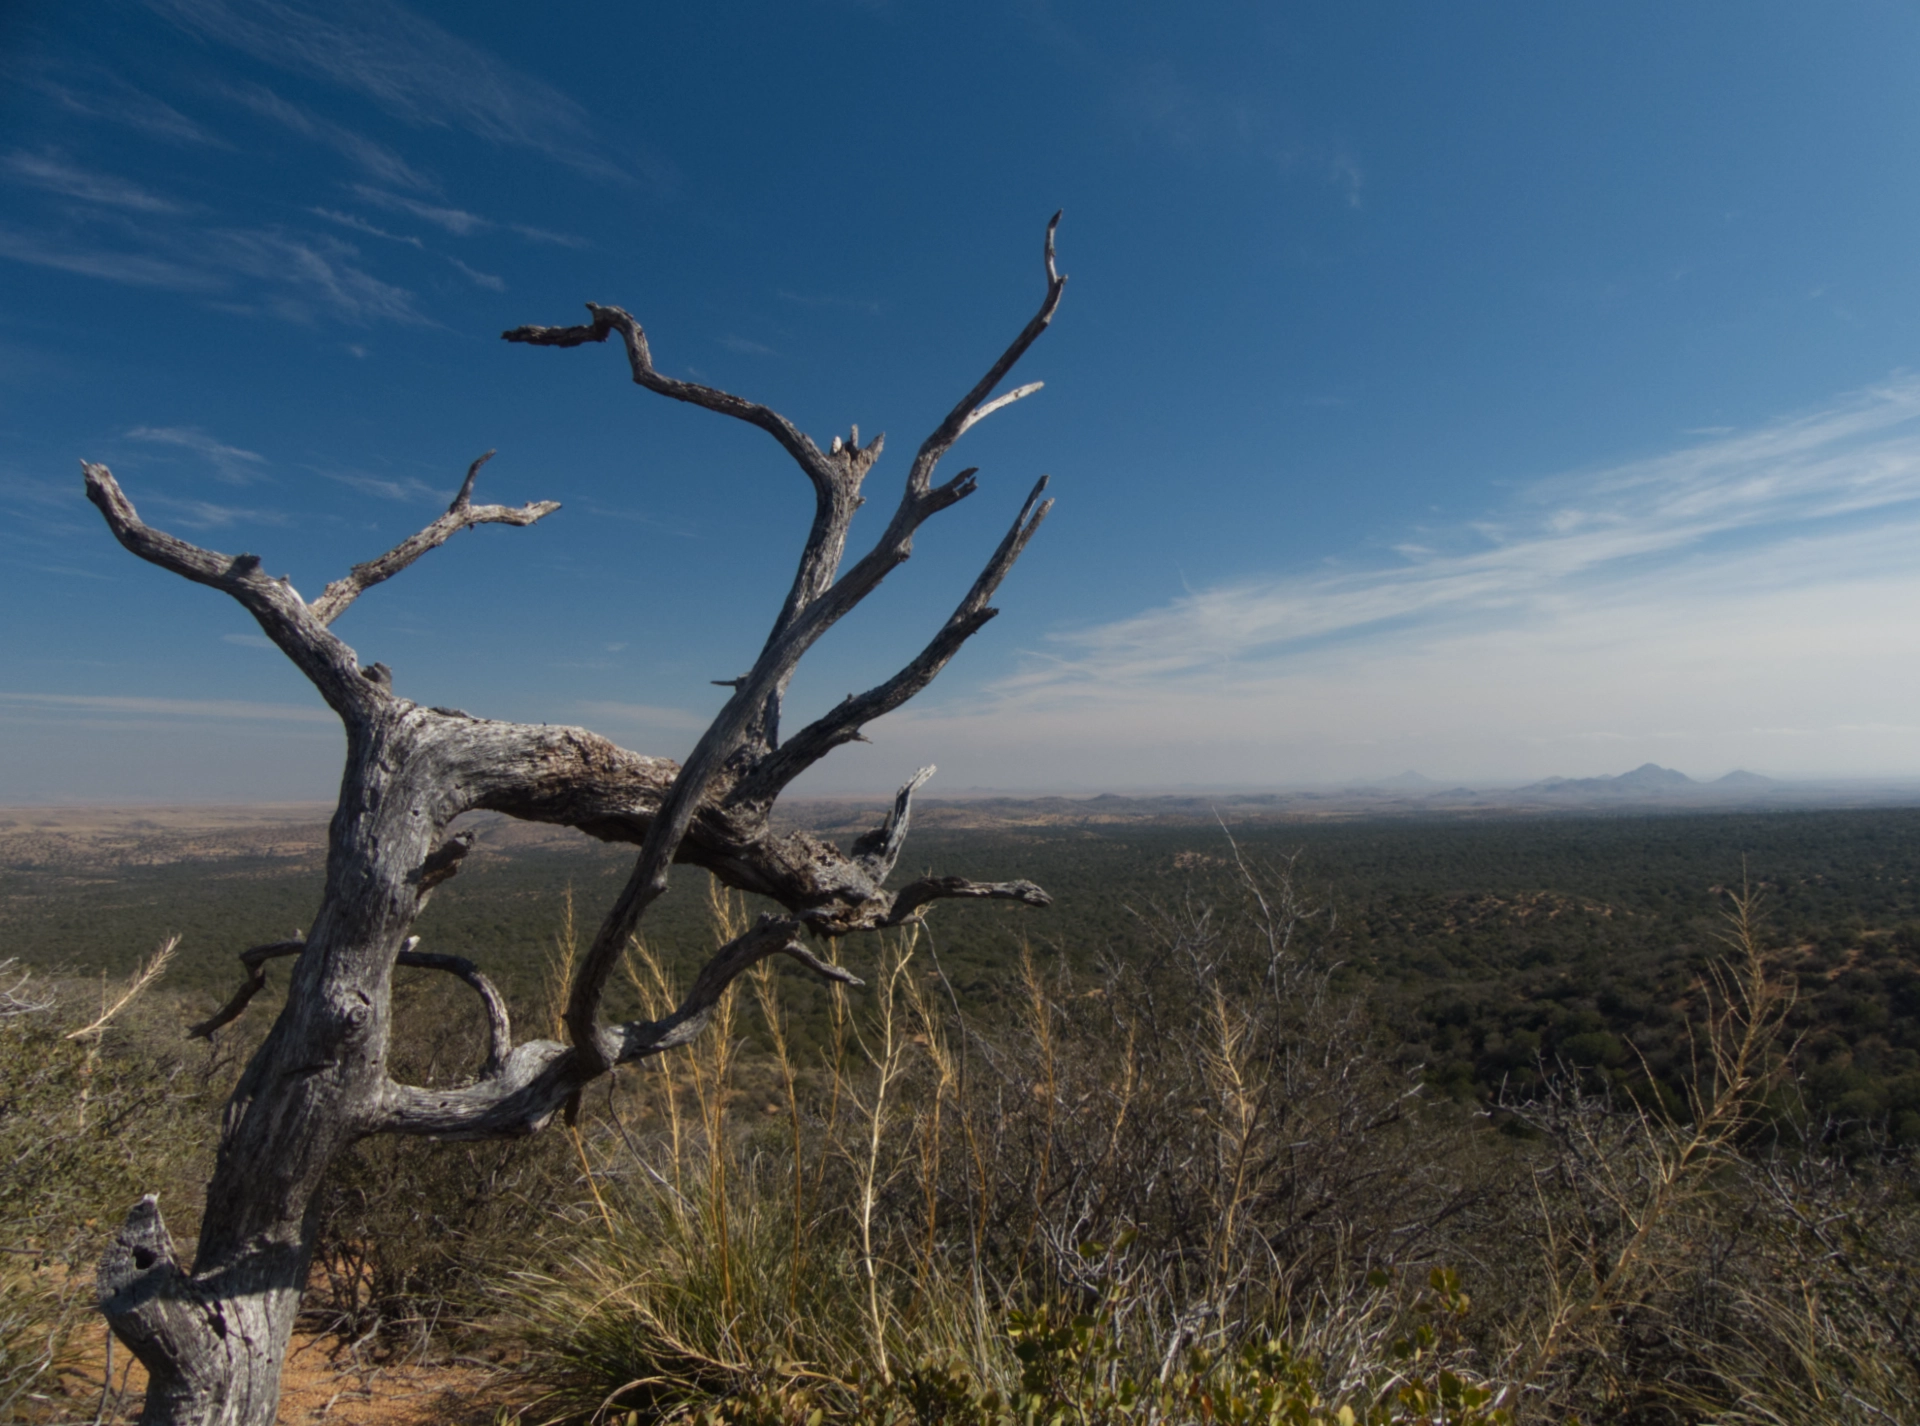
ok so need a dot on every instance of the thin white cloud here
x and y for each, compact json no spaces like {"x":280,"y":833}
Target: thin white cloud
{"x":455,"y":220}
{"x":745,"y":347}
{"x":408,"y":490}
{"x":407,"y":64}
{"x":170,"y":707}
{"x":479,"y":279}
{"x":296,"y":277}
{"x":98,"y":93}
{"x":1698,"y":602}
{"x":88,"y":260}
{"x":377,"y":159}
{"x":1856,"y":457}
{"x":233,"y":464}
{"x":361,"y":225}
{"x":1191,"y":116}
{"x":51,"y":172}
{"x":542,"y":235}
{"x":305,"y":275}
{"x":205,"y":515}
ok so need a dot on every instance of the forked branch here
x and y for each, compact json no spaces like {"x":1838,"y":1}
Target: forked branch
{"x":911,"y":897}
{"x":971,"y":410}
{"x":256,"y":958}
{"x":281,"y":613}
{"x":538,"y":1078}
{"x":461,"y":515}
{"x":843,"y":724}
{"x":741,"y":736}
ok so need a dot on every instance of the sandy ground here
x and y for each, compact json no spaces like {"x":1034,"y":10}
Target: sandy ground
{"x":322,"y":1383}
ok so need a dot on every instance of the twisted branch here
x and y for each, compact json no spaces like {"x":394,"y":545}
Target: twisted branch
{"x":461,"y":515}
{"x":537,"y":1079}
{"x":255,"y":959}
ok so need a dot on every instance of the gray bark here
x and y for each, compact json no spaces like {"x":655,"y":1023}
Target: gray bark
{"x":213,"y":1334}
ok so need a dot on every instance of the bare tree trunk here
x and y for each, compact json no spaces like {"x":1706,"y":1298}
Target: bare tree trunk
{"x":213,"y":1336}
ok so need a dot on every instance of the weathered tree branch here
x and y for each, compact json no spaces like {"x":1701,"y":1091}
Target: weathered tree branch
{"x":499,"y":1024}
{"x":970,"y":412}
{"x":608,"y":320}
{"x":255,"y":960}
{"x":835,"y":474}
{"x":202,"y":1340}
{"x":817,"y":600}
{"x":461,"y":515}
{"x":908,"y":900}
{"x":538,"y":1078}
{"x":281,"y":613}
{"x":878,"y":850}
{"x":842,"y":725}
{"x":214,"y":1340}
{"x":443,"y":864}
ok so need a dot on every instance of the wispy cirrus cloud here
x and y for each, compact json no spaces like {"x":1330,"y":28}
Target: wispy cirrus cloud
{"x":301,"y":276}
{"x":361,"y":225}
{"x":206,"y":515}
{"x":1709,"y":502}
{"x":230,"y":463}
{"x":376,"y":158}
{"x":298,"y":277}
{"x":1750,"y":598}
{"x":90,"y":259}
{"x":408,"y":65}
{"x":457,"y":221}
{"x":542,"y":235}
{"x":407,"y":489}
{"x":57,"y":175}
{"x":96,"y":92}
{"x":478,"y":278}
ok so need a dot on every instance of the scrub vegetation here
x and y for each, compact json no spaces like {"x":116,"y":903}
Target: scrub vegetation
{"x":1253,"y":1132}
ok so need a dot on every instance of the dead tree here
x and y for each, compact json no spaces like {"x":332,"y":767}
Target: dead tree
{"x":213,"y":1336}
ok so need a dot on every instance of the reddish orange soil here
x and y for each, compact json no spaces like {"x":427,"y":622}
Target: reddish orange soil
{"x":323,"y":1383}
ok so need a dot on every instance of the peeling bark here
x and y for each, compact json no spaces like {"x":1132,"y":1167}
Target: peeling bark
{"x":213,"y":1335}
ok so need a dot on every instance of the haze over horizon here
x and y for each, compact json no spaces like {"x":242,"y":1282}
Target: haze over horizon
{"x":1494,"y":393}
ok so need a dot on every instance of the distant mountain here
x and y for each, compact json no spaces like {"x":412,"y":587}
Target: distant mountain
{"x":1651,"y":777}
{"x":1740,"y":780}
{"x":1647,"y":779}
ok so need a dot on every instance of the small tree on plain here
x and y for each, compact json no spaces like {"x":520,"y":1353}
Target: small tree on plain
{"x":213,"y":1335}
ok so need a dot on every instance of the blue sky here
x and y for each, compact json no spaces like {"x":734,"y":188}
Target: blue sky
{"x":1492,"y":390}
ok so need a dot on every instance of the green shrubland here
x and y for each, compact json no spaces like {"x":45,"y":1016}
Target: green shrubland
{"x":1187,"y":1173}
